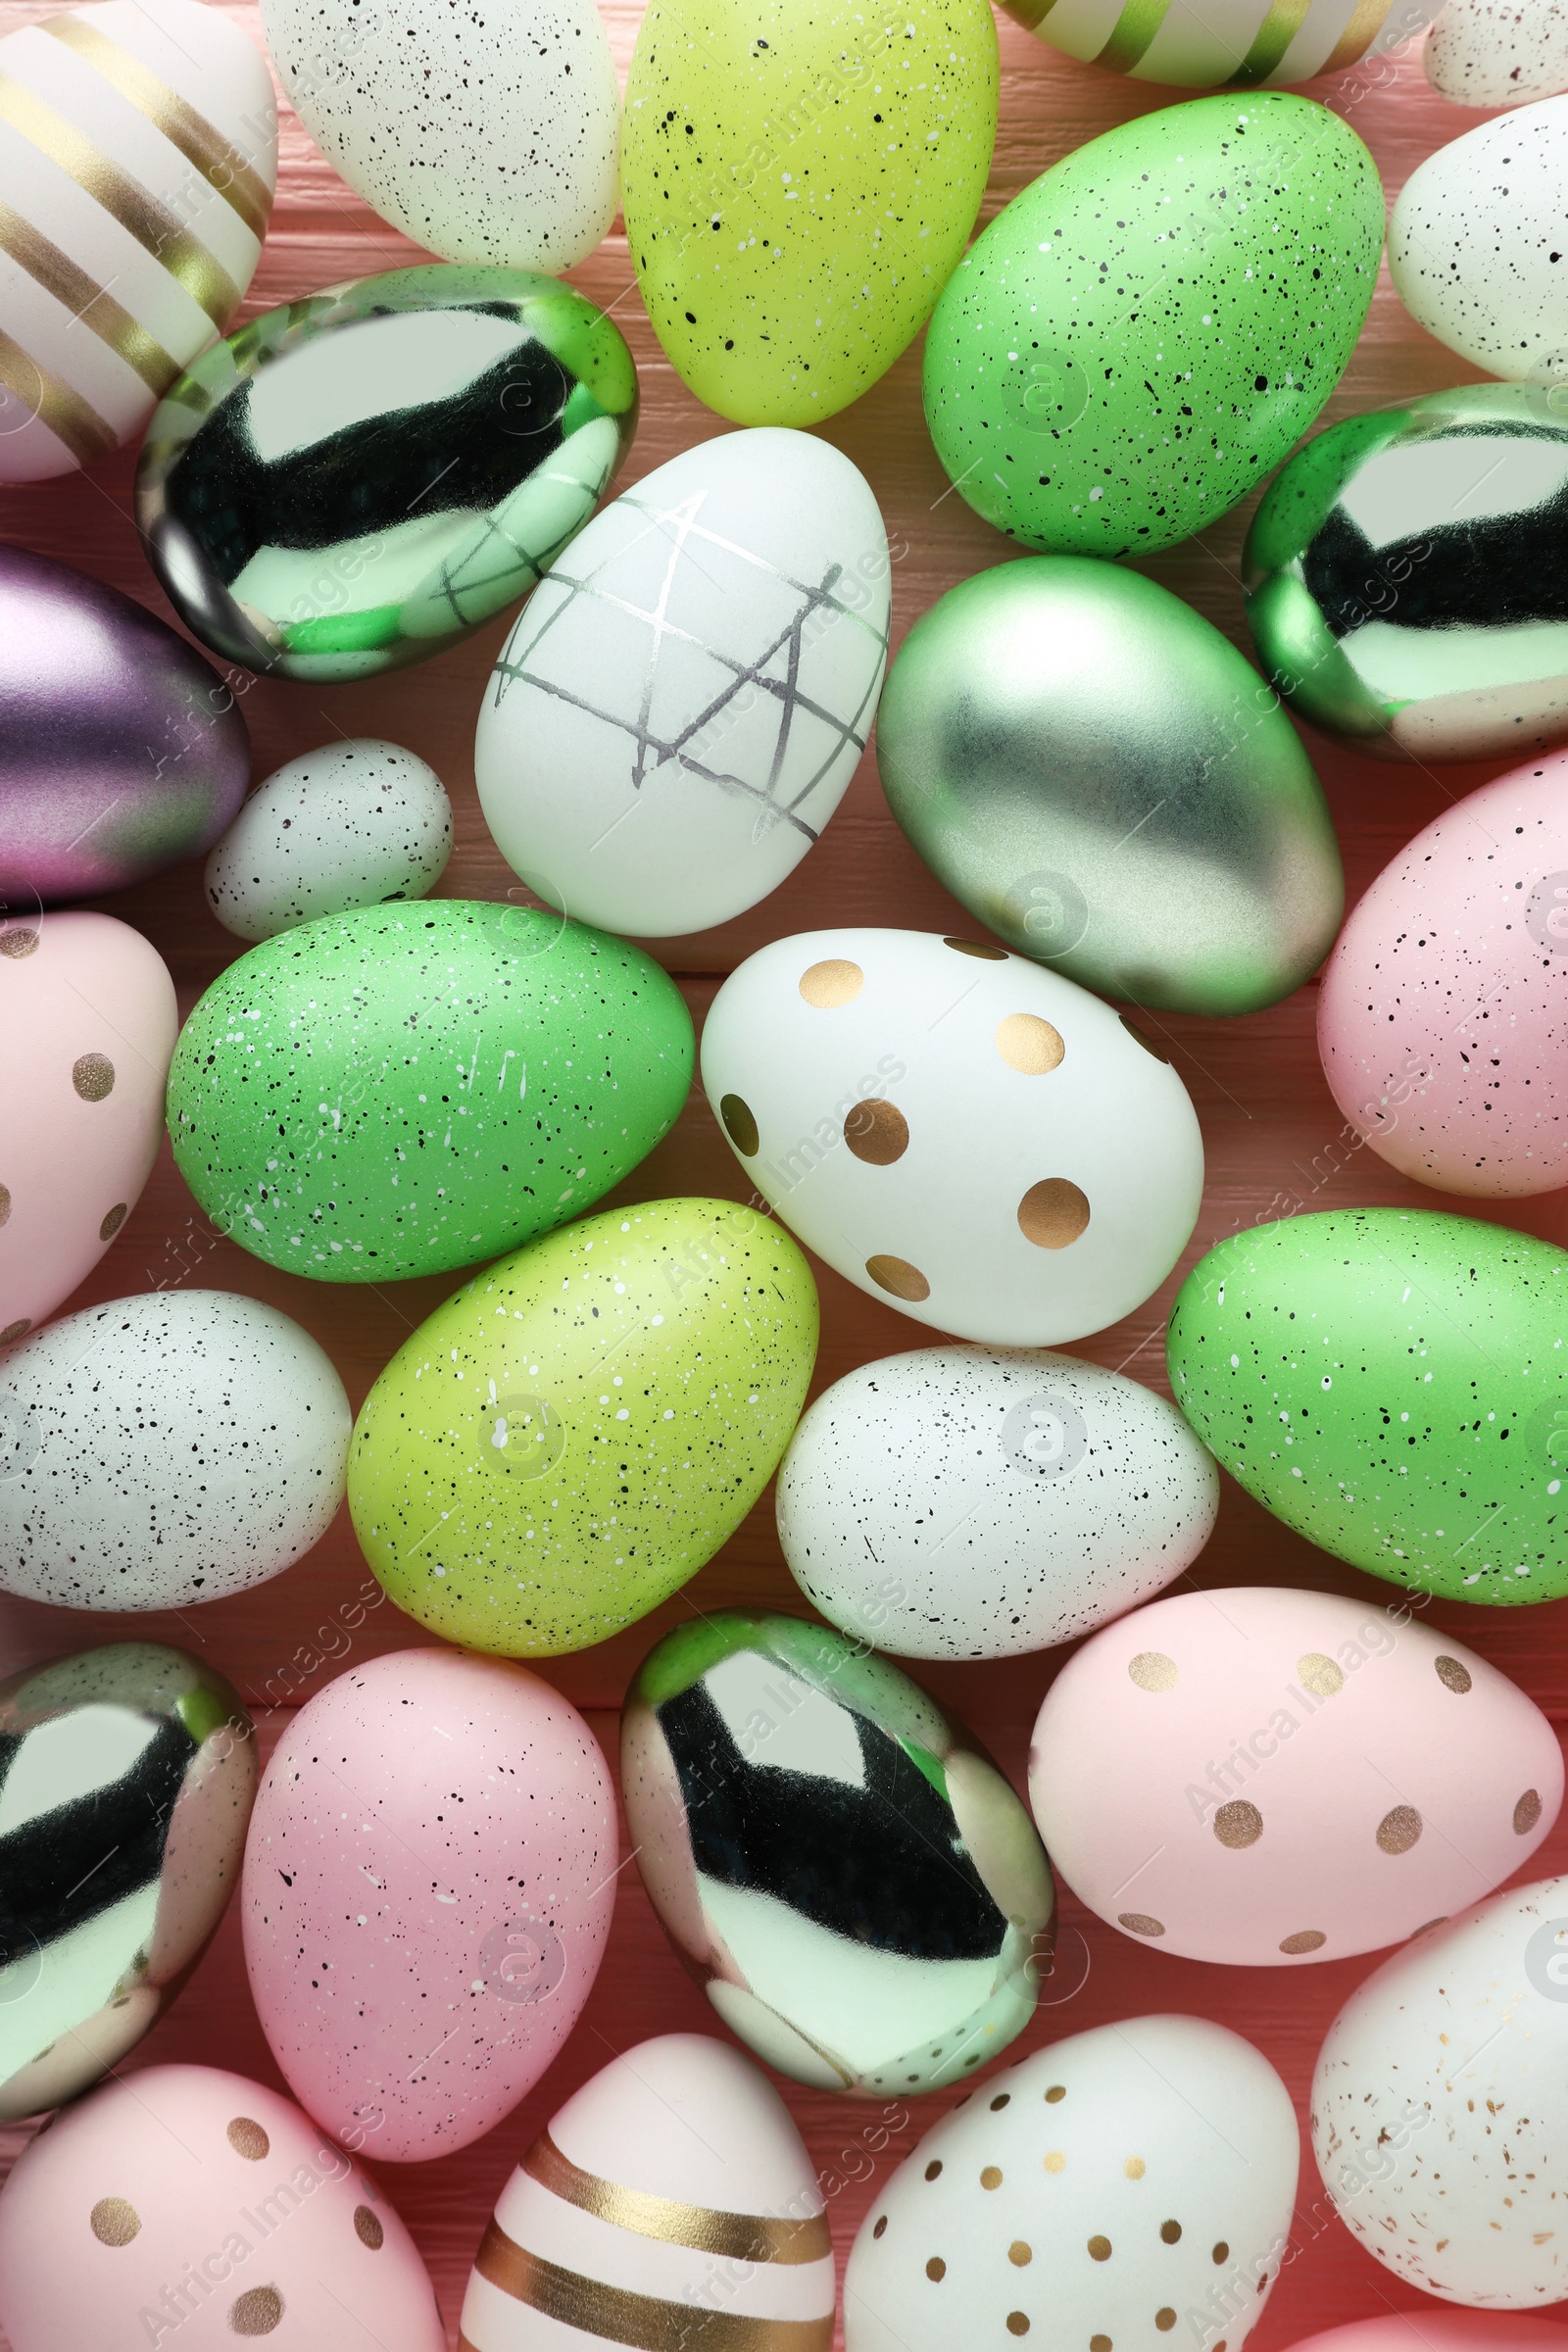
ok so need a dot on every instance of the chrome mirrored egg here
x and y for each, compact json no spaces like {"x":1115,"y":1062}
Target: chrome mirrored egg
{"x":127,"y":1777}
{"x":862,"y":1894}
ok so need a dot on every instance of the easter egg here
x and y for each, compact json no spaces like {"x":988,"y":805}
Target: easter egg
{"x":1471,"y":240}
{"x":1241,"y":44}
{"x":561,"y":1445}
{"x":126,"y":1776}
{"x":1441,"y":2332}
{"x":363,"y":478}
{"x":967,"y":1502}
{"x":185,"y":2205}
{"x":357,"y":823}
{"x":1391,"y":1384}
{"x":121,"y":753}
{"x":954,"y":1129}
{"x":800,"y":180}
{"x":703,"y":663}
{"x":841,"y":1866}
{"x":164,"y":1449}
{"x":1284,"y":1778}
{"x":1438,"y":2112}
{"x":138,"y":153}
{"x":1102,"y":780}
{"x":1094,"y":2190}
{"x":1438,"y":1019}
{"x":87,"y":1025}
{"x":429,"y":1884}
{"x":1499,"y":52}
{"x":500,"y":148}
{"x":700,"y":2198}
{"x":1147,"y":329}
{"x":401,"y":1091}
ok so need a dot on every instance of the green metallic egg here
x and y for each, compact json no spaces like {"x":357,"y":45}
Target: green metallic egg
{"x":1144,"y":332}
{"x":1394,"y":1384}
{"x":1108,"y":785}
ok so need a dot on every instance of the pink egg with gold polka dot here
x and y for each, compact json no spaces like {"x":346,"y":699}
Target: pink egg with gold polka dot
{"x":1429,"y":2330}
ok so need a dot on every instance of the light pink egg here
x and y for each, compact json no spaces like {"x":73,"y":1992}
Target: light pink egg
{"x":184,"y":2207}
{"x":429,"y":1883}
{"x":88,"y":1026}
{"x":1271,"y":1778}
{"x":1443,"y":1020}
{"x":1426,"y":2330}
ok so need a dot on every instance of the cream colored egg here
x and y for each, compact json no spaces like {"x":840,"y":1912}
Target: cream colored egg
{"x":356,"y":823}
{"x":1476,"y":240}
{"x":1499,"y":52}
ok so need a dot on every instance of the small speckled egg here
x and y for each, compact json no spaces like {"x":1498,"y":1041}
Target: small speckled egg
{"x":1394,"y":1384}
{"x":703,"y":663}
{"x":1269,"y":1778}
{"x":1439,"y":2114}
{"x":1241,"y":44}
{"x":566,"y":1441}
{"x":671,"y":2186}
{"x":428,"y":1882}
{"x":801,"y":177}
{"x":1092,"y":2192}
{"x":1499,"y":52}
{"x":164,"y":1449}
{"x":1427,"y":2330}
{"x":955,"y":1130}
{"x":357,"y":823}
{"x":1440,"y":1015}
{"x":404,"y":1089}
{"x":87,"y":1025}
{"x":1475,"y":241}
{"x":187,"y":2206}
{"x":967,"y":1502}
{"x":1138,"y":337}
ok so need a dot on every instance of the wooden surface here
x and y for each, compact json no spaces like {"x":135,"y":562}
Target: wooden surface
{"x":1274,"y":1140}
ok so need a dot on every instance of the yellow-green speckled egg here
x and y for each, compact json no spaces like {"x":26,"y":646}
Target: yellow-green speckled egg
{"x":800,"y":181}
{"x":572,"y":1435}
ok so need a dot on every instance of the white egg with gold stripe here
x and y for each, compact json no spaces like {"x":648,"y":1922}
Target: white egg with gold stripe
{"x":138,"y":155}
{"x":671,"y":2205}
{"x":1225,"y":44}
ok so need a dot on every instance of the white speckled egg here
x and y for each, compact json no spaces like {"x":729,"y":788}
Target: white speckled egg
{"x":356,"y":823}
{"x":164,"y":1449}
{"x":1478,"y":250}
{"x":955,"y":1130}
{"x":967,"y":1502}
{"x":673,"y":2186}
{"x":1090,"y":2194}
{"x":703,"y":663}
{"x":491,"y":138}
{"x":1499,"y":52}
{"x":1440,"y":2105}
{"x":1267,"y":1777}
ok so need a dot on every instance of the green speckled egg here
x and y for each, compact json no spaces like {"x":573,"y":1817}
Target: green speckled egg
{"x":569,"y":1439}
{"x":1394,"y":1384}
{"x":1143,"y":333}
{"x":799,"y":180}
{"x":404,"y":1089}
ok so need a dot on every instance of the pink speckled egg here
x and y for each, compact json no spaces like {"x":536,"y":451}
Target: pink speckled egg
{"x":1443,"y":1020}
{"x":1268,"y":1776}
{"x":185,"y":2207}
{"x":88,"y":1026}
{"x":428,"y":1882}
{"x":1429,"y":2330}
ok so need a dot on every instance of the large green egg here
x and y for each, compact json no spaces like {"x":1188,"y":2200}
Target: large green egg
{"x":1394,"y":1384}
{"x":405,"y":1089}
{"x":569,"y":1439}
{"x":801,"y":177}
{"x":1144,"y":332}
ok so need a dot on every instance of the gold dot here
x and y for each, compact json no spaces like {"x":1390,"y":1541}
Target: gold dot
{"x":1239,"y":1823}
{"x":1429,"y":1923}
{"x":881,"y":2225}
{"x":740,"y":1125}
{"x":833,"y":983}
{"x":111,"y":1222}
{"x":1306,"y":1939}
{"x":1152,"y":1670}
{"x":973,"y":947}
{"x":999,"y":2101}
{"x":1100,"y":2249}
{"x":1165,"y":2320}
{"x":877,"y":1132}
{"x":1020,"y":2254}
{"x":935,"y":2269}
{"x":896,"y":1276}
{"x":1100,"y":2344}
{"x":1135,"y":2168}
{"x":19,"y":943}
{"x":1452,"y":1675}
{"x":368,"y":2229}
{"x":1029,"y":1044}
{"x":1398,"y":1830}
{"x":93,"y":1076}
{"x":1057,"y":2091}
{"x":13,"y":1331}
{"x":933,"y":2168}
{"x":1170,"y":2232}
{"x":1139,"y":1039}
{"x":1319,"y":1675}
{"x":1056,"y":2162}
{"x":114,"y":2222}
{"x":255,"y":2312}
{"x":5,"y":1205}
{"x":1219,"y":2253}
{"x":1018,"y":2323}
{"x":1526,"y":1812}
{"x":991,"y":2178}
{"x":1052,"y":1213}
{"x":1139,"y":1922}
{"x":248,"y":2139}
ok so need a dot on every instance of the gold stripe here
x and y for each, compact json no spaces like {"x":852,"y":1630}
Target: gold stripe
{"x":1272,"y":38}
{"x":743,"y":2236}
{"x":1130,"y":34}
{"x":621,"y":2317}
{"x":185,"y":259}
{"x":65,"y":413}
{"x":1358,"y":35}
{"x":82,"y":295}
{"x":222,"y":166}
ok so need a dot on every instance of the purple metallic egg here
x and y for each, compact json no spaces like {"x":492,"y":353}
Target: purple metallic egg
{"x":122,"y":751}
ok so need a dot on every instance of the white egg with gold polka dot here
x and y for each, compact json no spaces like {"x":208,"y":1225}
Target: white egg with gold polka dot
{"x":1225,"y":44}
{"x":1275,"y":1778}
{"x":961,"y":1134}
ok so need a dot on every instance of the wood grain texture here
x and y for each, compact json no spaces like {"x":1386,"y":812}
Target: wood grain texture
{"x":1274,"y":1140}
